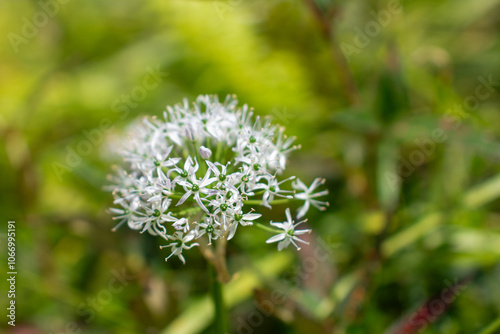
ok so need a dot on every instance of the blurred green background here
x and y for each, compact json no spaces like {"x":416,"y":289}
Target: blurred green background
{"x":395,"y":103}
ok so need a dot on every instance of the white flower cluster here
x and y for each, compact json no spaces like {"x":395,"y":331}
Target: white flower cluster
{"x":198,"y":171}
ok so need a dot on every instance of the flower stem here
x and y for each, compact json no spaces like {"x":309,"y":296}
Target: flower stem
{"x":220,"y":321}
{"x":491,"y":327}
{"x":192,"y":209}
{"x":267,"y":228}
{"x":275,"y":202}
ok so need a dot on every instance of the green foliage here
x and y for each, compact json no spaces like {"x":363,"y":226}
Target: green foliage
{"x":404,"y":125}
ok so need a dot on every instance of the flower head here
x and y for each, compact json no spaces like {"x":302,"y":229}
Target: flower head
{"x":309,"y":197}
{"x":202,"y":170}
{"x":289,"y":234}
{"x":179,"y":244}
{"x":241,"y":219}
{"x":211,"y":228}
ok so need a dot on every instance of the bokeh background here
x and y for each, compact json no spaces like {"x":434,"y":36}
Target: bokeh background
{"x":395,"y":103}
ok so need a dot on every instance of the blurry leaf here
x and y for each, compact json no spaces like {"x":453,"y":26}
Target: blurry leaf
{"x":388,"y":179}
{"x":454,"y":173}
{"x":414,"y":126}
{"x":492,"y":328}
{"x":320,"y":308}
{"x":236,"y":291}
{"x":344,"y":287}
{"x":470,"y":240}
{"x":373,"y":222}
{"x":483,"y":193}
{"x":474,"y":198}
{"x":392,"y":96}
{"x":411,"y":234}
{"x":357,"y":120}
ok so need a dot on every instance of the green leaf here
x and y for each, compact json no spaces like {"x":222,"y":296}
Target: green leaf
{"x":388,"y":180}
{"x":235,"y":292}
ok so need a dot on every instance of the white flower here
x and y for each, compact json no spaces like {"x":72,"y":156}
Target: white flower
{"x":283,"y":148}
{"x":179,"y":244}
{"x":127,"y":214}
{"x":225,"y":204}
{"x":155,"y":159}
{"x":243,"y":219}
{"x":220,"y":175}
{"x":132,"y":191}
{"x":196,"y":187}
{"x":289,"y":234}
{"x":157,"y":214}
{"x":309,"y":197}
{"x":205,"y":153}
{"x":244,"y":158}
{"x":210,"y":227}
{"x":190,"y":168}
{"x":247,"y":180}
{"x":272,"y":188}
{"x":160,"y":187}
{"x":181,"y":224}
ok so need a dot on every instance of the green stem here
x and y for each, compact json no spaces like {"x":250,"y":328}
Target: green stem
{"x":175,"y":196}
{"x":275,"y":202}
{"x":260,"y":192}
{"x":220,"y":321}
{"x":193,"y":209}
{"x":218,"y":153}
{"x":201,"y":162}
{"x":491,"y":327}
{"x":267,"y":228}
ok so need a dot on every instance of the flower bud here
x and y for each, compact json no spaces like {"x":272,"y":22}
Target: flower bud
{"x":189,"y":132}
{"x":205,"y":152}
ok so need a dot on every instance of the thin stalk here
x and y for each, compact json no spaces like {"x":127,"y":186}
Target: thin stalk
{"x":492,"y":327}
{"x":220,"y":319}
{"x":201,"y":162}
{"x":193,"y":209}
{"x":218,"y":153}
{"x":267,"y":228}
{"x":216,"y":255}
{"x":275,"y":202}
{"x":220,"y":252}
{"x":175,"y":196}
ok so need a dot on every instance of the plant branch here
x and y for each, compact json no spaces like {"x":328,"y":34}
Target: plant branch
{"x":324,"y":22}
{"x":217,"y":258}
{"x":220,"y":321}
